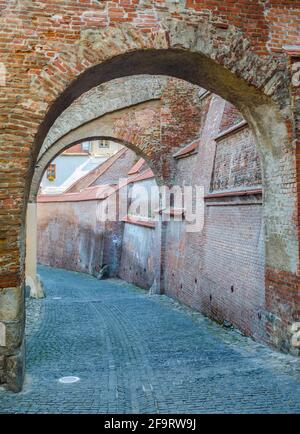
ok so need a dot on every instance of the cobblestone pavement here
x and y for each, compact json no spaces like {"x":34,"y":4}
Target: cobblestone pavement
{"x":136,"y":353}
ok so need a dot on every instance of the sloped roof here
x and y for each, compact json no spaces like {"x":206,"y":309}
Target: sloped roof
{"x":98,"y":192}
{"x":94,"y":174}
{"x":83,"y":190}
{"x":189,"y":149}
{"x":137,"y":167}
{"x":146,"y":174}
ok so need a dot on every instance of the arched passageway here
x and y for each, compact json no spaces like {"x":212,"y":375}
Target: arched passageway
{"x":141,"y":124}
{"x":218,"y":58}
{"x":114,"y":112}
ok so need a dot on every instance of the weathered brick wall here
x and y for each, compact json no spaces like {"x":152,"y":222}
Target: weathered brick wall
{"x":231,"y":116}
{"x":232,"y":279}
{"x":265,"y":23}
{"x":220,"y":271}
{"x":112,"y":246}
{"x":137,"y":262}
{"x":120,"y":168}
{"x":69,"y":236}
{"x":237,"y":163}
{"x":139,"y":243}
{"x":72,"y":235}
{"x":180,"y":114}
{"x":282,"y":304}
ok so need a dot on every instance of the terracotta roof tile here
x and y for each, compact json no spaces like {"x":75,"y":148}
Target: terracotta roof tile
{"x":147,"y":174}
{"x":99,"y":192}
{"x":137,"y":221}
{"x":191,"y":148}
{"x":137,"y":167}
{"x":90,"y":177}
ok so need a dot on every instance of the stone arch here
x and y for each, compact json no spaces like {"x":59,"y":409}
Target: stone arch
{"x":106,"y":98}
{"x":259,"y":88}
{"x":135,"y":137}
{"x":33,"y":281}
{"x":126,"y":110}
{"x":219,"y":59}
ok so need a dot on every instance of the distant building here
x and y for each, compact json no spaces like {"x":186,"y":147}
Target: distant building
{"x":74,"y":163}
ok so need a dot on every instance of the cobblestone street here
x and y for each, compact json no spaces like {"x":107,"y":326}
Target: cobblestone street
{"x":136,"y":353}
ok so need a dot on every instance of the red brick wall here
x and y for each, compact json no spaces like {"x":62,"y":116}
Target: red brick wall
{"x":120,"y":168}
{"x":270,"y":23}
{"x":237,"y":163}
{"x":139,"y":243}
{"x":72,"y":236}
{"x":231,"y":116}
{"x":283,"y":307}
{"x":138,"y":251}
{"x":69,"y":236}
{"x":161,"y":132}
{"x":180,"y":114}
{"x":220,"y":271}
{"x":233,"y":266}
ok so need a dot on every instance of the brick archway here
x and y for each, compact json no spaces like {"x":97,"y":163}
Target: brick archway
{"x":257,"y":86}
{"x":106,"y":98}
{"x":135,"y":137}
{"x":260,"y":91}
{"x":130,"y":111}
{"x":215,"y":55}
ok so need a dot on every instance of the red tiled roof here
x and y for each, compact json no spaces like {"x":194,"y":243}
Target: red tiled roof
{"x":136,"y":221}
{"x":137,"y":167}
{"x":98,"y":192}
{"x":86,"y":180}
{"x":147,"y":174}
{"x":75,"y":149}
{"x":187,"y":150}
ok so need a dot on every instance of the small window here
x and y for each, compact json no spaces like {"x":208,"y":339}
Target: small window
{"x":85,"y":146}
{"x":51,"y":172}
{"x":103,"y":144}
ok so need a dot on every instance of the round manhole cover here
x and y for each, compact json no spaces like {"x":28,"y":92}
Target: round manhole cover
{"x":69,"y":380}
